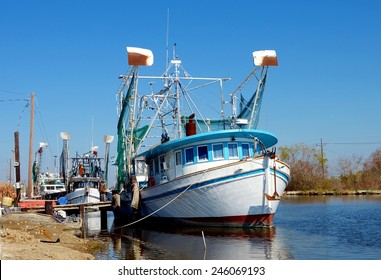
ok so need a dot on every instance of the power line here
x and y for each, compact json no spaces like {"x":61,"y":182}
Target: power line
{"x":353,"y":143}
{"x":12,"y":100}
{"x":12,"y":92}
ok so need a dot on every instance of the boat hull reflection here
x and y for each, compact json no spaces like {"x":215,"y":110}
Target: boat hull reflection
{"x":196,"y":243}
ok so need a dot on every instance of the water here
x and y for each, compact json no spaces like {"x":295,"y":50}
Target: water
{"x":305,"y":228}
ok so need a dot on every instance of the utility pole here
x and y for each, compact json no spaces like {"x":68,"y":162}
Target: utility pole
{"x":11,"y":166}
{"x":17,"y":157}
{"x":10,"y":171}
{"x":322,"y":157}
{"x":30,"y":164}
{"x":17,"y":166}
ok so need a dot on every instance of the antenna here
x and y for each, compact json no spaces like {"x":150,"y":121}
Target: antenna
{"x":167,"y":59}
{"x":174,"y":51}
{"x":92,"y":130}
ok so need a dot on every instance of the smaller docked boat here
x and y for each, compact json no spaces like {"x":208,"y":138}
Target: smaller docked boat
{"x":51,"y":185}
{"x":86,"y":181}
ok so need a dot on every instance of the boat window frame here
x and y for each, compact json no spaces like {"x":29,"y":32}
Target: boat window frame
{"x":178,"y":158}
{"x":248,"y":149}
{"x":222,"y":151}
{"x":156,"y":166}
{"x":141,"y":167}
{"x":162,"y":161}
{"x":230,"y":156}
{"x":151,"y":168}
{"x":186,"y":155}
{"x":203,"y":159}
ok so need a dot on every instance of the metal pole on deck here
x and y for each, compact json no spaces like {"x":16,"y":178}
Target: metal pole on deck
{"x":107,"y":139}
{"x":30,"y":163}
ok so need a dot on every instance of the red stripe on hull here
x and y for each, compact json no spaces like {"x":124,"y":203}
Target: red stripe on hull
{"x":233,"y":221}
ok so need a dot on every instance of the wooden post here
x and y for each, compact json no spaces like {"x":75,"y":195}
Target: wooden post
{"x":49,"y":207}
{"x":103,"y":219}
{"x":82,"y":215}
{"x":30,"y":166}
{"x":17,"y":166}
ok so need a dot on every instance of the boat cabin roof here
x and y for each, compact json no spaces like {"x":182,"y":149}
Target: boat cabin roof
{"x":267,"y":138}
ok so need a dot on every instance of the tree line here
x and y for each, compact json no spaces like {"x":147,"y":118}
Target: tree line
{"x":310,"y":171}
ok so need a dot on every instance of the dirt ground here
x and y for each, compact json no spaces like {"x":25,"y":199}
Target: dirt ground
{"x":30,"y":236}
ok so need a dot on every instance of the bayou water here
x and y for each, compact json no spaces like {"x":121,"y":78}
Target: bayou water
{"x":305,"y":228}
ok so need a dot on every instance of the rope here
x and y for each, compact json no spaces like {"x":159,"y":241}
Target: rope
{"x":165,"y":205}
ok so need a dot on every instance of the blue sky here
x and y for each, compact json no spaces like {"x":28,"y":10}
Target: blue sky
{"x":70,"y":53}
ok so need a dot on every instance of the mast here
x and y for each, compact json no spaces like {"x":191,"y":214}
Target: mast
{"x":136,"y":57}
{"x":177,"y":63}
{"x":256,"y":99}
{"x":65,"y":137}
{"x":30,"y":164}
{"x":107,"y":139}
{"x":263,"y":59}
{"x":166,"y":57}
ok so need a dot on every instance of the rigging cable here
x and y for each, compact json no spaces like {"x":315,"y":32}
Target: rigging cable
{"x":22,"y":113}
{"x":42,"y":128}
{"x":165,"y":205}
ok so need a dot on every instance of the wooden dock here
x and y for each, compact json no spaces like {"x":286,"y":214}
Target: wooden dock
{"x":48,"y":206}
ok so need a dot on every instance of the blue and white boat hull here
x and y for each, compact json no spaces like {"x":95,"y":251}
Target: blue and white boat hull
{"x":230,"y":195}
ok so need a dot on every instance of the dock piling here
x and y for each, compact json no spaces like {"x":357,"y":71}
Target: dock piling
{"x":82,"y":215}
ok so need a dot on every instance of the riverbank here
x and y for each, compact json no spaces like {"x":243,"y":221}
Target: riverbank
{"x":314,"y":192}
{"x":31,"y":236}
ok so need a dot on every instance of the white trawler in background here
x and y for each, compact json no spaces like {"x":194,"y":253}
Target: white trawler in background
{"x":47,"y":184}
{"x":178,"y":164}
{"x":86,"y":179}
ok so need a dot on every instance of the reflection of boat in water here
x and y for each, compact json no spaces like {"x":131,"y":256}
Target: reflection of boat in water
{"x":175,"y":163}
{"x":187,"y":243}
{"x":95,"y":227}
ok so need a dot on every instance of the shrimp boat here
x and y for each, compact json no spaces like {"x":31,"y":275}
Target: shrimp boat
{"x":86,"y":181}
{"x":49,"y":185}
{"x":177,"y":165}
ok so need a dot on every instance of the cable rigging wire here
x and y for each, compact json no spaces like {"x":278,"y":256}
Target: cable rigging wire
{"x":43,"y":129}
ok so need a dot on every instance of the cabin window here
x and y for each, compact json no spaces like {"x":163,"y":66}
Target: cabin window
{"x":141,"y":167}
{"x":156,"y":166}
{"x":189,"y":157}
{"x":233,"y":150}
{"x":178,"y":158}
{"x":162,"y":168}
{"x":218,"y":152}
{"x":245,"y":150}
{"x":202,"y":153}
{"x":151,"y":168}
